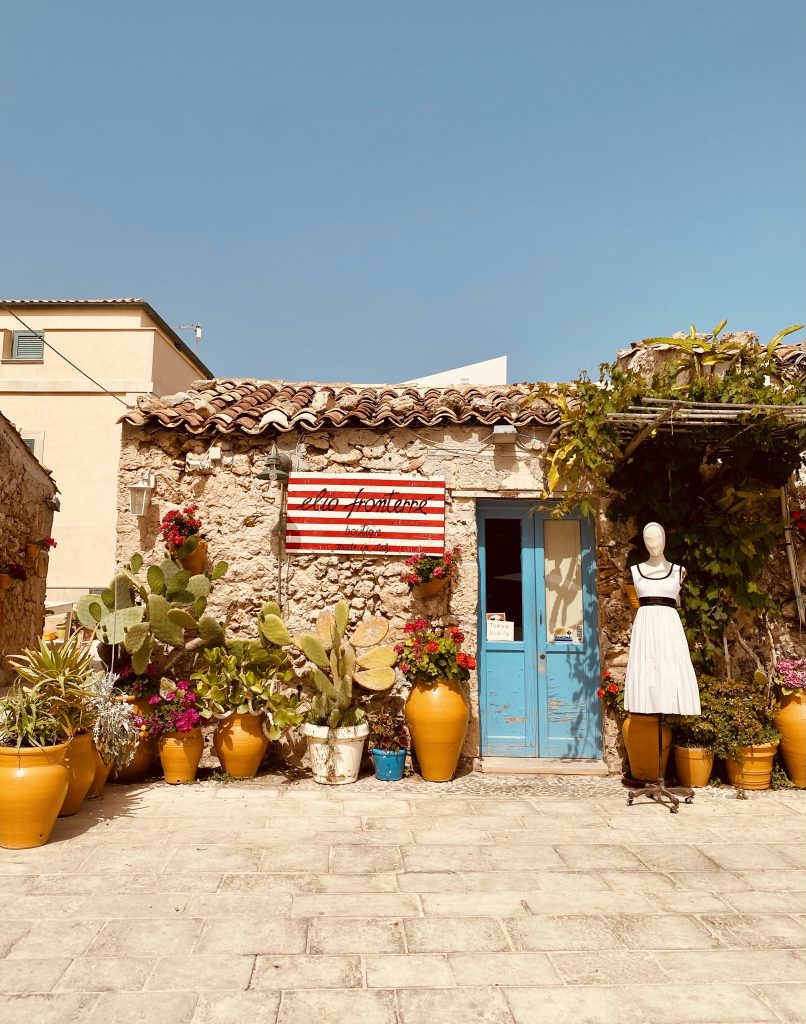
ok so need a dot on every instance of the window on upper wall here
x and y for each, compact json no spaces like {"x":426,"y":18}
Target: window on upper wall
{"x":35,"y":440}
{"x":28,"y":345}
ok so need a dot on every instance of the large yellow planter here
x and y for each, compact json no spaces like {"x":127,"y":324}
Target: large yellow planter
{"x":240,"y":743}
{"x":80,"y":762}
{"x":436,"y":714}
{"x":693,"y":765}
{"x":146,"y":756}
{"x":640,"y":734}
{"x":180,"y":753}
{"x":753,"y":768}
{"x":102,"y":772}
{"x":33,"y":784}
{"x":790,"y":721}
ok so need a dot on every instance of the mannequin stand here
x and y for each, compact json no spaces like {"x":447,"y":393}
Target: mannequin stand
{"x":659,"y":791}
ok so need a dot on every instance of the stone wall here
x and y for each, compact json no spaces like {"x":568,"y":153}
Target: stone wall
{"x":24,"y":517}
{"x":242,"y":523}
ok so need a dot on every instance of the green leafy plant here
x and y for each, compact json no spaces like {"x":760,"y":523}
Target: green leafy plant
{"x":27,"y":719}
{"x":387,"y":731}
{"x":741,"y":712}
{"x":62,"y":672}
{"x":252,"y":676}
{"x":338,"y":662}
{"x":422,"y":567}
{"x":716,"y":493}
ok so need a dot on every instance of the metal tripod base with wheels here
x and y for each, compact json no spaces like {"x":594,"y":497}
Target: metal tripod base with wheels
{"x":659,"y":791}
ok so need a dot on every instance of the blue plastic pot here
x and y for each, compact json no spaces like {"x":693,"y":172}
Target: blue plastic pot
{"x":389,"y":764}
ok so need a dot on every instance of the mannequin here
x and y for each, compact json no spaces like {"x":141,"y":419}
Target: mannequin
{"x":660,"y":677}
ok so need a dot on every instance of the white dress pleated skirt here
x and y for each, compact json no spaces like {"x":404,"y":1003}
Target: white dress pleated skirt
{"x":660,"y":677}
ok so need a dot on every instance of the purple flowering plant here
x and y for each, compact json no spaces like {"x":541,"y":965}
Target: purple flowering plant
{"x":791,"y":673}
{"x":173,"y":709}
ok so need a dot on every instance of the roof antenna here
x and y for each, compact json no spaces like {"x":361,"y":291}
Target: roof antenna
{"x":197,"y":331}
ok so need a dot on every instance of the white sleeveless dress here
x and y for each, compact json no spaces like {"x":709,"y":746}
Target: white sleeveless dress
{"x":660,"y":677}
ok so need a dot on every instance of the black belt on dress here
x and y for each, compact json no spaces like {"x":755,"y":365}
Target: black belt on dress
{"x":667,"y":602}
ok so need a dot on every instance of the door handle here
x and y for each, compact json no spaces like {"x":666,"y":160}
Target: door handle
{"x":542,"y":657}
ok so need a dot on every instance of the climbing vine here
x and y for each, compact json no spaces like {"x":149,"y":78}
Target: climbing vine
{"x":715,"y":489}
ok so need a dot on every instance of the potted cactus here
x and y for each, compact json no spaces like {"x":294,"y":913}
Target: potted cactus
{"x":246,"y":687}
{"x":148,"y":623}
{"x":336,"y":725}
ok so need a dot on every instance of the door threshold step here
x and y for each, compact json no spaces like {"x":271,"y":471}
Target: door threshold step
{"x":541,"y":766}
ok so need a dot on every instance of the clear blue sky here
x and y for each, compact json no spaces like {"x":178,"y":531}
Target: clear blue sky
{"x":371,"y":190}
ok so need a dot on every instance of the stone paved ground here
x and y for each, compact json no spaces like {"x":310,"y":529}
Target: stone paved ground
{"x":483,"y":901}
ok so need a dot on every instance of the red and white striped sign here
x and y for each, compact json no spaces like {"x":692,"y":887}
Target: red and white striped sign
{"x":365,"y":514}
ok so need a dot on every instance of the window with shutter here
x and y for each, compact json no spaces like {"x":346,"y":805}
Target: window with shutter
{"x":28,"y":345}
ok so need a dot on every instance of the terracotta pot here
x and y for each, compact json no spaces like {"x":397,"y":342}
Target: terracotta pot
{"x":640,"y":734}
{"x":146,"y":756}
{"x":102,"y":771}
{"x":33,"y":783}
{"x":632,"y":596}
{"x":194,"y":562}
{"x":753,"y":768}
{"x":240,"y":743}
{"x":32,"y":550}
{"x":790,"y":721}
{"x":5,"y":581}
{"x":433,"y":586}
{"x":335,"y":754}
{"x":693,"y":765}
{"x":437,"y":714}
{"x":180,"y":753}
{"x":80,"y":763}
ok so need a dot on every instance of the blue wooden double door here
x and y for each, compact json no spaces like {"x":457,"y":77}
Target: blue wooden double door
{"x":538,"y":636}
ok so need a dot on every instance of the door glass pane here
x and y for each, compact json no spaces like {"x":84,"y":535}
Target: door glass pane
{"x":502,"y":543}
{"x":561,"y":542}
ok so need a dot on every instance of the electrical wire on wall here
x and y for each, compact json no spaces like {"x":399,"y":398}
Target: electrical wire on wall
{"x":61,"y":355}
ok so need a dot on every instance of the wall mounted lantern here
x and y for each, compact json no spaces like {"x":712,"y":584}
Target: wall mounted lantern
{"x":276,"y":467}
{"x":140,"y":494}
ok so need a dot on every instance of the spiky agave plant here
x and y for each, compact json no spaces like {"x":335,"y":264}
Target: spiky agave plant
{"x":62,"y":673}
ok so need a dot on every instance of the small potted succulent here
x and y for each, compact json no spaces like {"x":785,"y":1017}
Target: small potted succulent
{"x":32,"y":548}
{"x":180,"y":529}
{"x":430,"y":573}
{"x":12,"y":571}
{"x":114,"y":734}
{"x":63,"y":672}
{"x":174,"y":720}
{"x":790,"y":718}
{"x":694,"y":738}
{"x":389,"y":742}
{"x":33,"y":775}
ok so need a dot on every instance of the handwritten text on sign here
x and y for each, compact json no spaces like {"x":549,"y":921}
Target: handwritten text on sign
{"x":365,"y":514}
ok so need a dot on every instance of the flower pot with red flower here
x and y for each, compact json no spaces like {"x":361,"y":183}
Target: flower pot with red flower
{"x":639,"y":732}
{"x":175,"y":722}
{"x":429,"y":574}
{"x":180,"y":531}
{"x":790,"y":717}
{"x":12,"y":572}
{"x":437,"y":710}
{"x":32,"y":548}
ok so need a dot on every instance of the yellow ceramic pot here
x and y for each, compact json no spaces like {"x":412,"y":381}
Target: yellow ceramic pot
{"x":790,"y":721}
{"x":146,"y":757}
{"x":102,"y":771}
{"x":436,"y":714}
{"x":80,"y":763}
{"x":752,"y":769}
{"x":5,"y":581}
{"x":180,"y":753}
{"x":240,"y":743}
{"x":693,"y":765}
{"x":640,"y":734}
{"x":32,"y":550}
{"x":33,"y":784}
{"x":194,"y":562}
{"x":433,"y":586}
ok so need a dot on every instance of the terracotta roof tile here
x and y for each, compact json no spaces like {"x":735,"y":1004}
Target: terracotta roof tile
{"x":226,"y":406}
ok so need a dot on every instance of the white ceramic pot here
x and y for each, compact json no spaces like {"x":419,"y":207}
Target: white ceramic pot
{"x":335,"y":754}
